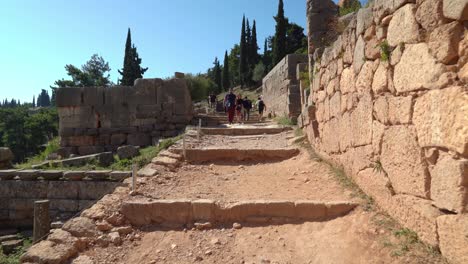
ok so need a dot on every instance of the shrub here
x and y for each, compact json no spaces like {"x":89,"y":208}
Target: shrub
{"x":384,"y":51}
{"x":350,"y":7}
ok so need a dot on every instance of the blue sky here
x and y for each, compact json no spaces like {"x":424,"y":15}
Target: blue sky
{"x":40,"y":37}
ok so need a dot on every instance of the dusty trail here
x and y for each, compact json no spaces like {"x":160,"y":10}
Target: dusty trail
{"x":362,"y":236}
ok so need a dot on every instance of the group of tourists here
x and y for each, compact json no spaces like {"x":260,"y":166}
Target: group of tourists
{"x":239,"y":107}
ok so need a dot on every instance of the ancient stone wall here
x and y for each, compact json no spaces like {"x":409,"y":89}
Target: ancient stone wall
{"x":68,"y":192}
{"x":98,"y":119}
{"x":389,"y":103}
{"x":281,"y":91}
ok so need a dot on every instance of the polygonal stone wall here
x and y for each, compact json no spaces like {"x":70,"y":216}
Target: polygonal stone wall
{"x":389,"y":103}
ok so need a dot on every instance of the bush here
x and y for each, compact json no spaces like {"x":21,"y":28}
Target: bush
{"x":259,"y":72}
{"x":384,"y":51}
{"x":285,"y":121}
{"x":200,"y":86}
{"x":350,"y":7}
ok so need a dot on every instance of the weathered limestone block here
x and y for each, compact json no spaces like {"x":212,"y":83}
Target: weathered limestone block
{"x":402,"y":160}
{"x":364,"y":20}
{"x":91,"y":190}
{"x":344,"y":132}
{"x":403,"y":27}
{"x":376,"y":185}
{"x":64,"y":205}
{"x":372,"y":50}
{"x":417,"y":69}
{"x":68,"y":97}
{"x":456,"y":9}
{"x":377,"y":135}
{"x":361,"y":121}
{"x":443,"y":42}
{"x":449,"y":184}
{"x":453,"y":233}
{"x":365,"y":77}
{"x":437,"y":111}
{"x":335,"y":105}
{"x":332,"y":86}
{"x":430,"y":14}
{"x":128,"y":152}
{"x":384,"y":8}
{"x":171,"y":211}
{"x":310,"y":210}
{"x":203,"y":210}
{"x":399,"y":110}
{"x":81,"y":227}
{"x":361,"y":158}
{"x":359,"y":55}
{"x":380,"y":82}
{"x":326,"y":111}
{"x":62,"y":190}
{"x":416,"y":214}
{"x":347,"y":82}
{"x":49,"y":252}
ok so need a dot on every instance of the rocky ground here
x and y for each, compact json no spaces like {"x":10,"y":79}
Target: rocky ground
{"x":363,"y":236}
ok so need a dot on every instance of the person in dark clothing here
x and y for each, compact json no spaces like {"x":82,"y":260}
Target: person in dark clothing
{"x":246,"y":109}
{"x":239,"y":107}
{"x":230,"y":105}
{"x":261,"y":107}
{"x":212,"y":100}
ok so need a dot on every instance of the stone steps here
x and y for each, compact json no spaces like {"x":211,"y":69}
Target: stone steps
{"x":225,"y":154}
{"x":244,"y":131}
{"x":144,"y":211}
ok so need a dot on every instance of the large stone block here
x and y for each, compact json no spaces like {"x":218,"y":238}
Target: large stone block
{"x":171,"y":211}
{"x":403,"y":27}
{"x":62,"y":190}
{"x":430,"y":14}
{"x":384,"y":8}
{"x":335,"y":105}
{"x":203,"y":210}
{"x":64,"y":205}
{"x":139,"y":139}
{"x":417,"y":69}
{"x":361,"y":121}
{"x":359,"y":55}
{"x":443,"y":42}
{"x":375,"y":184}
{"x":347,"y":82}
{"x":453,"y":237}
{"x":449,"y":184}
{"x":402,"y":160}
{"x":365,"y":77}
{"x":91,"y":190}
{"x":380,"y":81}
{"x":377,"y":135}
{"x":66,"y":97}
{"x":364,"y":20}
{"x":456,"y":9}
{"x":437,"y":111}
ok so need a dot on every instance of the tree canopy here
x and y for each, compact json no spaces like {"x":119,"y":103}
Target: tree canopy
{"x":131,"y":67}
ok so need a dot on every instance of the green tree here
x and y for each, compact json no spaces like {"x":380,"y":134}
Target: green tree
{"x":296,"y":41}
{"x":34,"y":101}
{"x":254,"y":58}
{"x":259,"y":72}
{"x":226,"y":79}
{"x":131,"y":66}
{"x":200,"y":86}
{"x":217,"y":76}
{"x":95,"y":72}
{"x":279,"y":44}
{"x":350,"y":7}
{"x":243,"y":55}
{"x":43,"y":100}
{"x":234,"y":65}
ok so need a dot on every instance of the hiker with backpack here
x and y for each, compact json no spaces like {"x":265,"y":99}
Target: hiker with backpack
{"x":212,"y":100}
{"x":261,"y":107}
{"x":230,"y":105}
{"x":246,"y":109}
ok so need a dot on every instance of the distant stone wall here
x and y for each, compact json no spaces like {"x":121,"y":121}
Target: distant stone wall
{"x":98,"y":119}
{"x":67,"y":197}
{"x":389,"y":103}
{"x":281,"y":92}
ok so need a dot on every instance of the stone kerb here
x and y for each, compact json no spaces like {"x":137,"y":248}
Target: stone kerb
{"x":98,"y":119}
{"x":142,"y":212}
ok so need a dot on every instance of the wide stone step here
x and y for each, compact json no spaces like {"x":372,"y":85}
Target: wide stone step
{"x":143,"y":211}
{"x":225,"y":154}
{"x":244,"y":131}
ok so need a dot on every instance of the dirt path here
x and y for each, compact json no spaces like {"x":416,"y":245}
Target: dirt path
{"x":362,"y":236}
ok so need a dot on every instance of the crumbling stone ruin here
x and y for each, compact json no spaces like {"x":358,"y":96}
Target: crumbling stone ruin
{"x":99,"y":119}
{"x":389,"y":103}
{"x":280,"y":87}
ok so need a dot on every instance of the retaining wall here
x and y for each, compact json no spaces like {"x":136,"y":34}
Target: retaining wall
{"x":67,"y":197}
{"x":389,"y":103}
{"x":98,"y":119}
{"x":281,"y":92}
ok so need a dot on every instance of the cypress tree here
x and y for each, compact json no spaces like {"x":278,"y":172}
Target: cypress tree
{"x":34,"y":101}
{"x":226,"y":79}
{"x":254,"y":45}
{"x":279,"y":44}
{"x":217,"y":76}
{"x":243,"y":55}
{"x":131,"y":68}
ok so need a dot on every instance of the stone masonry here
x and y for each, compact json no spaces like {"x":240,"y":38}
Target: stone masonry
{"x":98,"y":119}
{"x":281,"y":91}
{"x":389,"y":103}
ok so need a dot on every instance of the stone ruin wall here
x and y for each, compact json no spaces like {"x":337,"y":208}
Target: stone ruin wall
{"x":98,"y":119}
{"x":280,"y":87}
{"x":398,"y":127}
{"x":66,"y":198}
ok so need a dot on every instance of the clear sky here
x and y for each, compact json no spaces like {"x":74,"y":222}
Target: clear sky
{"x":40,"y":37}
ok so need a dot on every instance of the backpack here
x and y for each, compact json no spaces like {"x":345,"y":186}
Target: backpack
{"x":230,"y":100}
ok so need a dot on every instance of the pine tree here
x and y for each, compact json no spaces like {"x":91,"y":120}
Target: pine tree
{"x":34,"y":101}
{"x":243,"y":55}
{"x":131,"y":67}
{"x":279,"y":44}
{"x":226,"y":79}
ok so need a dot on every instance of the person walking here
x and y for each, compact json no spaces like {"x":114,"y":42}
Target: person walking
{"x":239,"y":108}
{"x":212,"y":100}
{"x":230,"y":105}
{"x":261,"y":108}
{"x":247,"y":106}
